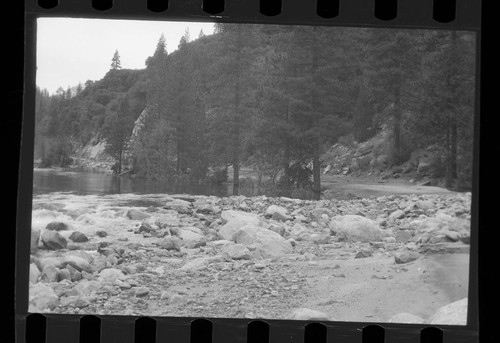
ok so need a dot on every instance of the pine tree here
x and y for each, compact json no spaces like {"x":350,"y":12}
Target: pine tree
{"x":115,"y":61}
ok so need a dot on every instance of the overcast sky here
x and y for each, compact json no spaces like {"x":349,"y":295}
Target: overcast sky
{"x":72,"y":50}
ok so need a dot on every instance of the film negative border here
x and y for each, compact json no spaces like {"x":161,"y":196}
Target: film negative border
{"x":74,"y":328}
{"x":456,"y":14}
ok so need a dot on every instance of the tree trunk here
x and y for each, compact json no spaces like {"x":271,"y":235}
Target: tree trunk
{"x":237,"y":117}
{"x":286,"y":168}
{"x":397,"y":113}
{"x":451,"y":163}
{"x":453,"y":146}
{"x":316,"y":170}
{"x":236,"y":177}
{"x":120,"y":161}
{"x":315,"y":126}
{"x":360,"y":116}
{"x":178,"y":167}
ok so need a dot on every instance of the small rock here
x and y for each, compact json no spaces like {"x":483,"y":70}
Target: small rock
{"x":34,"y":273}
{"x":86,"y":287}
{"x":49,"y":274}
{"x":279,"y":217}
{"x":271,"y":210}
{"x":74,"y":274}
{"x":63,"y":274}
{"x":403,"y":235}
{"x":79,"y":263}
{"x":170,"y":243}
{"x":67,"y":301}
{"x":53,"y":240}
{"x":424,"y":205}
{"x":364,"y":253}
{"x":110,"y":275}
{"x":78,"y":237}
{"x":81,"y":303}
{"x":101,"y":233}
{"x":141,"y":291}
{"x":318,"y":214}
{"x":398,"y":214}
{"x":406,"y":257}
{"x":57,"y":226}
{"x":172,"y":298}
{"x":237,"y":251}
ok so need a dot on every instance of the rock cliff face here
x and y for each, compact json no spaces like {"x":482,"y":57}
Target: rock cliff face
{"x":93,"y":155}
{"x":376,"y":157}
{"x":180,"y":255}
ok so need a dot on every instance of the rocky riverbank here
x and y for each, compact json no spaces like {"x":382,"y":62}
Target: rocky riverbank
{"x":393,"y":258}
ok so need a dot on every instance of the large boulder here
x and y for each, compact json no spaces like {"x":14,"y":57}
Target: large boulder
{"x":53,"y":240}
{"x":424,"y":168}
{"x":42,"y":297}
{"x":354,"y":228}
{"x":405,"y":257}
{"x":191,"y":239}
{"x":236,"y":251}
{"x":180,"y":206}
{"x":308,"y":314}
{"x":110,"y":275}
{"x":265,"y":242}
{"x":206,"y":208}
{"x":35,"y":239}
{"x":57,"y":226}
{"x":77,"y":262}
{"x":235,"y":220}
{"x":137,"y":215}
{"x":83,"y":254}
{"x":451,"y":314}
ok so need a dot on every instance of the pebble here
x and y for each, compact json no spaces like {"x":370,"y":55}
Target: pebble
{"x":141,"y":291}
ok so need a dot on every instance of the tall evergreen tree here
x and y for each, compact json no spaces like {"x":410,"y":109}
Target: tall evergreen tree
{"x":115,"y":61}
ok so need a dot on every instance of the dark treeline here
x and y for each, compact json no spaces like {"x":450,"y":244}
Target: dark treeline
{"x":272,"y":99}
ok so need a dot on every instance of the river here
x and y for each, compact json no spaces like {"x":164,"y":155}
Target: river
{"x":101,"y":183}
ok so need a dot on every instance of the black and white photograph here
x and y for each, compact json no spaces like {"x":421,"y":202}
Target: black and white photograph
{"x":223,"y":170}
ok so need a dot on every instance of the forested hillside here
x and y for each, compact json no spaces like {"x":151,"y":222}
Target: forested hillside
{"x":275,"y":100}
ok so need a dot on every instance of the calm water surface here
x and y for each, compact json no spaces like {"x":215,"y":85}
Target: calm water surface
{"x":84,"y":183}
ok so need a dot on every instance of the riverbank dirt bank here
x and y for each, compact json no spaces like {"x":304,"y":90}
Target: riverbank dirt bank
{"x":395,"y":258}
